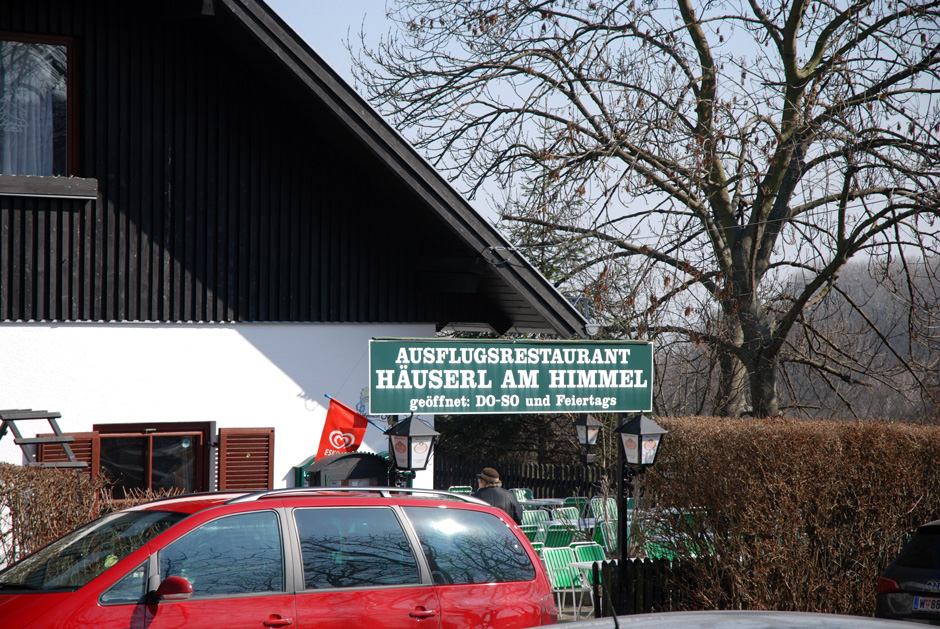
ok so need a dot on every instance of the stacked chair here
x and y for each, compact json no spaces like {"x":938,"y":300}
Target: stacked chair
{"x":566,"y":579}
{"x":570,"y":579}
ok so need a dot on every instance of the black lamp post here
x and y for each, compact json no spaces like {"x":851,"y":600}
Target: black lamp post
{"x":588,"y":428}
{"x":640,"y":438}
{"x":410,"y":444}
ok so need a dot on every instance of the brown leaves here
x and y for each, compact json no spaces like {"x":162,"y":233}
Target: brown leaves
{"x":49,"y":502}
{"x":797,"y":505}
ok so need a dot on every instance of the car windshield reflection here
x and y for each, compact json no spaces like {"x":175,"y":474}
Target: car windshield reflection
{"x":72,"y":561}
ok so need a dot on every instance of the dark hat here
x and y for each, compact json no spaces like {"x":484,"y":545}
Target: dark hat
{"x":489,"y":475}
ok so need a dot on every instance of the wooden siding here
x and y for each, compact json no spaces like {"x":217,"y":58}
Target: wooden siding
{"x":226,"y":190}
{"x":47,"y":250}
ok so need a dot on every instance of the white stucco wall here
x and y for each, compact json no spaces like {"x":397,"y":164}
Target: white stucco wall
{"x":238,"y":375}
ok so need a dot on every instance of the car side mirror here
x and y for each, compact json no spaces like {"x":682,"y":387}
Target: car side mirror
{"x":173,"y":589}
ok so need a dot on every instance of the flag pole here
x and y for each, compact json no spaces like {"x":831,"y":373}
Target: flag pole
{"x":330,"y":397}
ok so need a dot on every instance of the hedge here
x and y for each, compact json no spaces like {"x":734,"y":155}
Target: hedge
{"x":38,"y":505}
{"x":789,"y":514}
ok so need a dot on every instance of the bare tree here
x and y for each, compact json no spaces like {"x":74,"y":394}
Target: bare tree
{"x":719,"y":148}
{"x":890,"y":315}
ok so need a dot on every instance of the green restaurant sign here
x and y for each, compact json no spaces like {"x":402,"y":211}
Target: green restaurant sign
{"x":459,"y":377}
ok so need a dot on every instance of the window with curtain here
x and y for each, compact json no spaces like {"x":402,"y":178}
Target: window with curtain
{"x":33,"y":108}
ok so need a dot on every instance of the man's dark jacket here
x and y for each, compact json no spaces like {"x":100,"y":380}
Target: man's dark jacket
{"x":502,"y":498}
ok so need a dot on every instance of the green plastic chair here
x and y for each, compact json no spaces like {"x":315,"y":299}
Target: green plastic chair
{"x":538,"y":547}
{"x":660,"y":549}
{"x":577,"y":502}
{"x":604,"y":508}
{"x":564,"y":579}
{"x":531,"y":531}
{"x":605,"y":534}
{"x":535,"y":516}
{"x":589,"y":551}
{"x":460,"y":489}
{"x":569,"y":516}
{"x":522,"y":494}
{"x":558,"y":536}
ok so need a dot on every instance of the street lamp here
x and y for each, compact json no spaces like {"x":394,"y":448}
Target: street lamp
{"x":410,"y":443}
{"x":587,"y":427}
{"x":641,"y":438}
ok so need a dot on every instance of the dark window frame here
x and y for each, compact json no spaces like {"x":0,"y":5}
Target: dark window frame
{"x":206,"y":431}
{"x":73,"y":80}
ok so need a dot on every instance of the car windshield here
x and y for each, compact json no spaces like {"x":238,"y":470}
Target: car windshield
{"x":75,"y":559}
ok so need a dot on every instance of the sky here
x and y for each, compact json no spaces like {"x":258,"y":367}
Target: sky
{"x":324,"y":24}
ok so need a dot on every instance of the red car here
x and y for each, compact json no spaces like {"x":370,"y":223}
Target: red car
{"x":311,"y":557}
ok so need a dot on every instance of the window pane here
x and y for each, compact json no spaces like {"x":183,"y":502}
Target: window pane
{"x":354,"y":548}
{"x":238,"y":554}
{"x":33,"y":114}
{"x":77,"y":558}
{"x":174,"y":462}
{"x":123,"y":460}
{"x":130,"y":589}
{"x":922,"y":552}
{"x":469,"y":547}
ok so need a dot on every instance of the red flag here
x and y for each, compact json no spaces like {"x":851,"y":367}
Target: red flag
{"x":343,"y":430}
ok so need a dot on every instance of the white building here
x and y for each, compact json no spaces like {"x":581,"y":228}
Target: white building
{"x":201,"y":227}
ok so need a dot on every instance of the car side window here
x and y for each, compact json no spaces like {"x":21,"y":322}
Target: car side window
{"x":354,"y":547}
{"x":236,"y":554}
{"x":465,"y":547}
{"x":130,"y":589}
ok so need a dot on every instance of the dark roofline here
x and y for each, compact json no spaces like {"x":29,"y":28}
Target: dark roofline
{"x":407,"y":164}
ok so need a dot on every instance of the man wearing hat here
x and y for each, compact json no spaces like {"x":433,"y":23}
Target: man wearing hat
{"x":491,"y":491}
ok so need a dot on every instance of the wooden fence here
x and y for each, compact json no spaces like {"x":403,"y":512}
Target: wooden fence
{"x":638,"y":586}
{"x":545,"y":481}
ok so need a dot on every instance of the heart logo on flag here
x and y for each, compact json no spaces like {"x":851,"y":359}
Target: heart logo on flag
{"x":341,"y":440}
{"x":343,"y":430}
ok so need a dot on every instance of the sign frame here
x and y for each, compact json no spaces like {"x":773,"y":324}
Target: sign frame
{"x":508,"y":377}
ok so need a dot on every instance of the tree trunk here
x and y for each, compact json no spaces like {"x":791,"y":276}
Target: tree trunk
{"x":761,"y":364}
{"x":764,"y":386}
{"x":731,"y":398}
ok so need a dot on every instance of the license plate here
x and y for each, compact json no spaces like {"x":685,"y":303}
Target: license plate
{"x":924,"y":604}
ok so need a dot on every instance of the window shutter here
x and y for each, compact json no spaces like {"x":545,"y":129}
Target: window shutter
{"x":246,"y":458}
{"x":86,"y":448}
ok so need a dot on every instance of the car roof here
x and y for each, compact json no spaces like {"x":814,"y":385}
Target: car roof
{"x":193,"y":503}
{"x":189,"y":503}
{"x":738,"y":620}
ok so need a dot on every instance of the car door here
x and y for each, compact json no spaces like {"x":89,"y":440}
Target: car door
{"x":359,"y":569}
{"x":483,"y":574}
{"x":236,"y":565}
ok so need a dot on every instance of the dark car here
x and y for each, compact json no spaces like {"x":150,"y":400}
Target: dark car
{"x":909,"y":588}
{"x":311,"y":557}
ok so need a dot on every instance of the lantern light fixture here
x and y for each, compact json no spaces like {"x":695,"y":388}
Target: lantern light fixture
{"x":641,"y":438}
{"x":588,"y":428}
{"x":410,"y":443}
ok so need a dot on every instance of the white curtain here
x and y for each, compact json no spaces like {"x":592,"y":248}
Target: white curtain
{"x":32,"y":108}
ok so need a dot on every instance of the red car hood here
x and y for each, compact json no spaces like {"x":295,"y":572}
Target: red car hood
{"x":18,"y":610}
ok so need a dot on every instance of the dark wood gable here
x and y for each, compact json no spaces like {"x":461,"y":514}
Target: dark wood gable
{"x":218,"y":179}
